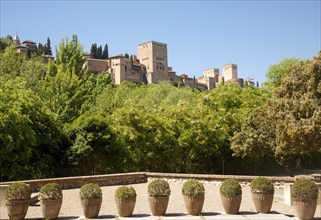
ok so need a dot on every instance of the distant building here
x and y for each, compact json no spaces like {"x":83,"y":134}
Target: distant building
{"x":26,"y":47}
{"x":150,"y":66}
{"x":125,"y":69}
{"x":154,"y":56}
{"x":32,"y":46}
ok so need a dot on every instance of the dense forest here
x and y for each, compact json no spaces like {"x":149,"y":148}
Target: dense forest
{"x":58,"y":120}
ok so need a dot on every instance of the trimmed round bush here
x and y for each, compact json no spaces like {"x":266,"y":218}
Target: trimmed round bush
{"x":18,"y":191}
{"x":304,"y":189}
{"x":230,"y":187}
{"x":262,"y":185}
{"x":50,"y":191}
{"x":125,"y":192}
{"x":193,"y":188}
{"x":90,"y":191}
{"x":159,"y":188}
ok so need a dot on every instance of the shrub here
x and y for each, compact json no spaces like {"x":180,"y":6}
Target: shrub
{"x":90,"y":191}
{"x":262,"y":185}
{"x":50,"y":191}
{"x":230,"y":187}
{"x":193,"y":188}
{"x":159,"y":188}
{"x":18,"y":191}
{"x":304,"y":189}
{"x":125,"y":192}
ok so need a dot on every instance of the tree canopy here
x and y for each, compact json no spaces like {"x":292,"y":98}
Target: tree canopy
{"x":289,"y":124}
{"x":57,"y":120}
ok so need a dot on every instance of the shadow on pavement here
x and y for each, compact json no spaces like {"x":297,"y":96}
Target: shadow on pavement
{"x":105,"y":216}
{"x":140,"y":215}
{"x":174,"y":214}
{"x":210,"y":213}
{"x":62,"y":218}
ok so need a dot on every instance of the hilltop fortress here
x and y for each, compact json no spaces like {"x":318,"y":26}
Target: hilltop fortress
{"x":151,"y":66}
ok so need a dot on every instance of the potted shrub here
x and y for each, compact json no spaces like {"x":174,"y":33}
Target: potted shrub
{"x":231,"y":196}
{"x":17,"y":200}
{"x":193,"y":192}
{"x":50,"y":196}
{"x":158,"y":191}
{"x":91,"y":198}
{"x":125,"y":199}
{"x":262,"y":194}
{"x":304,"y":195}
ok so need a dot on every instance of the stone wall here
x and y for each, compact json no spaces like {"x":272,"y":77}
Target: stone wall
{"x":96,"y":65}
{"x":210,"y":177}
{"x":78,"y":181}
{"x":134,"y":178}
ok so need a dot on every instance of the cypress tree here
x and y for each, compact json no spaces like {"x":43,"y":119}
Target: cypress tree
{"x":105,"y":52}
{"x":99,"y":52}
{"x":93,"y":51}
{"x":41,"y":49}
{"x":47,"y":49}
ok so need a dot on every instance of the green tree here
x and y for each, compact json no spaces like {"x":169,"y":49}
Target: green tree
{"x":277,"y":72}
{"x":47,"y":49}
{"x":289,"y":124}
{"x":33,"y":71}
{"x":40,"y":49}
{"x":69,"y":57}
{"x":92,"y":150}
{"x":9,"y":37}
{"x":11,"y":61}
{"x":296,"y":111}
{"x":256,"y":138}
{"x":93,"y":51}
{"x":99,"y":52}
{"x":95,"y":85}
{"x":105,"y":52}
{"x":64,"y":95}
{"x":4,"y":42}
{"x":232,"y":105}
{"x":29,"y":137}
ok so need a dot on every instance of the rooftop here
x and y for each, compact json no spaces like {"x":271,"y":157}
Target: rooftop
{"x":29,"y":41}
{"x":152,"y":42}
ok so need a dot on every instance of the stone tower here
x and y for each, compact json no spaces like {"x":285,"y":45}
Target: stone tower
{"x":16,"y":40}
{"x":154,"y":56}
{"x":229,"y":72}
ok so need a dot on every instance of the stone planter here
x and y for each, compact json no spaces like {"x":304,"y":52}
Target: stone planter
{"x":91,"y":207}
{"x":304,"y":209}
{"x":17,"y":209}
{"x":231,"y":204}
{"x":262,"y":202}
{"x":125,"y":207}
{"x":194,"y":204}
{"x":50,"y":208}
{"x":158,"y":205}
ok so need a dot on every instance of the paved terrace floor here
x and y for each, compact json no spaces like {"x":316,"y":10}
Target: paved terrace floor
{"x":213,"y":209}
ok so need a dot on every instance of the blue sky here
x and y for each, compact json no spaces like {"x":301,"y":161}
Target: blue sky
{"x":199,"y":34}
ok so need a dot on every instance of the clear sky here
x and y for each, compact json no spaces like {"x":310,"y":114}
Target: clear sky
{"x":199,"y":34}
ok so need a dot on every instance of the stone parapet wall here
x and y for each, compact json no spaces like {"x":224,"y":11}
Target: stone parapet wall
{"x":77,"y":182}
{"x":208,"y":177}
{"x":139,"y":177}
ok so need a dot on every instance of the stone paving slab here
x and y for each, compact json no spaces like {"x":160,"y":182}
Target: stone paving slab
{"x":71,"y":208}
{"x":205,"y":216}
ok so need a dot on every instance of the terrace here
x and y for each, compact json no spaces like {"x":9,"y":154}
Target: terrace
{"x":213,"y":209}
